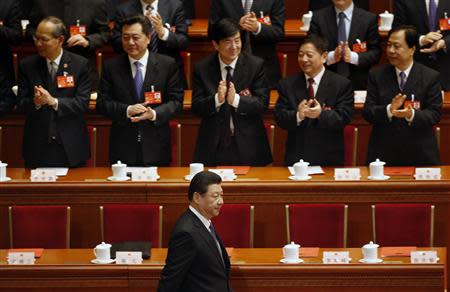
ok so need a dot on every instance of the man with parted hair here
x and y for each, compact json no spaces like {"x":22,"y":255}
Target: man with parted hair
{"x":230,"y":94}
{"x":197,"y":260}
{"x":403,"y":103}
{"x":54,"y":90}
{"x":140,"y":91}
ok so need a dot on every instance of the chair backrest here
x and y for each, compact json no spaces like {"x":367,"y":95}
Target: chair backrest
{"x":322,"y":225}
{"x":186,"y":56}
{"x":143,"y":222}
{"x":403,"y":224}
{"x":235,"y":224}
{"x":92,"y":133}
{"x":175,"y":143}
{"x":282,"y":59}
{"x":350,"y":145}
{"x":39,"y":226}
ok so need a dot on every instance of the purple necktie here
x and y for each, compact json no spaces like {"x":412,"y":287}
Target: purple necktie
{"x":342,"y":67}
{"x":138,"y":80}
{"x":402,"y":80}
{"x":432,"y":15}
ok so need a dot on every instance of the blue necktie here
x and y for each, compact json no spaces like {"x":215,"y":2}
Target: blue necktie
{"x":432,"y":15}
{"x":216,"y":240}
{"x":138,"y":80}
{"x":402,"y":80}
{"x":342,"y":67}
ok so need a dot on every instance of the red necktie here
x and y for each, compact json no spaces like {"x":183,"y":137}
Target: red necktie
{"x":310,"y":88}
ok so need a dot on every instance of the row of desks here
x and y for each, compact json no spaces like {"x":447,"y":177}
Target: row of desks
{"x":252,"y":270}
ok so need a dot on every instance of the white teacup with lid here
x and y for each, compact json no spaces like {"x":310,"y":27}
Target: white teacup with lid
{"x":102,"y":252}
{"x":370,"y":253}
{"x":301,"y":169}
{"x":3,"y":176}
{"x":306,"y":19}
{"x":377,"y":170}
{"x":386,"y":19}
{"x":291,"y":253}
{"x":119,"y":170}
{"x":195,"y":168}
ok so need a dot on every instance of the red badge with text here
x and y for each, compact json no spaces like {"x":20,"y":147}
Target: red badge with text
{"x":245,"y":92}
{"x":413,"y":103}
{"x":66,"y":81}
{"x":444,"y":24}
{"x":153,"y":97}
{"x":265,"y":20}
{"x":359,"y":47}
{"x":78,"y":29}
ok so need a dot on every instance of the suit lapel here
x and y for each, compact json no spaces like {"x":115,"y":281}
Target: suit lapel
{"x":332,"y":26}
{"x":128,"y":78}
{"x":354,"y":25}
{"x":422,"y":10}
{"x":150,"y":74}
{"x":323,"y":90}
{"x":136,"y":7}
{"x":163,"y":11}
{"x":240,"y":73}
{"x":413,"y":78}
{"x":214,"y":72}
{"x":440,"y":12}
{"x":239,"y":7}
{"x":300,"y":91}
{"x":43,"y":72}
{"x":391,"y":81}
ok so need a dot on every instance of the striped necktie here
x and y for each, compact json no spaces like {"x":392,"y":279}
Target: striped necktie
{"x":153,"y":36}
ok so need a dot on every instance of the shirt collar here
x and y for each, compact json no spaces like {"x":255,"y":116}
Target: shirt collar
{"x":205,"y":221}
{"x":154,"y":4}
{"x":348,"y":12}
{"x":407,"y":70}
{"x":317,"y":78}
{"x":142,"y":60}
{"x":57,"y":60}
{"x":223,"y":65}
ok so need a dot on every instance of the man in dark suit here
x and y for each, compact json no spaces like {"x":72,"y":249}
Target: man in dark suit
{"x":314,"y":106}
{"x":10,"y":34}
{"x":353,"y":40}
{"x":140,"y":91}
{"x":434,"y":41}
{"x":319,"y":4}
{"x":54,"y":89}
{"x":197,"y":261}
{"x":403,"y":104}
{"x":230,"y":94}
{"x":86,"y":22}
{"x":262,"y":23}
{"x":169,"y":26}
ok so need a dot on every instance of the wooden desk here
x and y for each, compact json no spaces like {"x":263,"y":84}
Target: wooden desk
{"x":252,"y":270}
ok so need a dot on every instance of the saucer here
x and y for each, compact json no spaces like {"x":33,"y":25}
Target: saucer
{"x":102,"y":262}
{"x":113,"y":178}
{"x":384,"y":177}
{"x":188,"y":177}
{"x":297,"y":261}
{"x":229,"y":178}
{"x":377,"y":261}
{"x":293,"y":177}
{"x":304,"y":28}
{"x":5,"y":179}
{"x":384,"y":28}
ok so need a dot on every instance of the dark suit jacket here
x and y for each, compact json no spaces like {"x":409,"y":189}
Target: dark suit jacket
{"x":264,"y":44}
{"x":414,"y":12}
{"x":396,"y":142}
{"x":193,"y":261}
{"x":117,"y":92}
{"x":189,"y":8}
{"x":249,"y":129}
{"x":7,"y":98}
{"x":363,"y":27}
{"x":68,"y":121}
{"x":318,"y":141}
{"x":319,"y":4}
{"x":171,"y":12}
{"x":10,"y":34}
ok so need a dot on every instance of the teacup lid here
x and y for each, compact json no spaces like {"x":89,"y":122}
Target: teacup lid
{"x":2,"y":164}
{"x":386,"y":13}
{"x":302,"y":163}
{"x":377,"y":162}
{"x":292,"y":245}
{"x":371,"y":245}
{"x":119,"y":163}
{"x":103,"y":245}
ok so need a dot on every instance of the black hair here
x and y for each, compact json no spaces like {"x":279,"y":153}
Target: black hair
{"x":223,"y":29}
{"x":411,"y":35}
{"x":140,"y":19}
{"x":318,"y":42}
{"x":201,"y":181}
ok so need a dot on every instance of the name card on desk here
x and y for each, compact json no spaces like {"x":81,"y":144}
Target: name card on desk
{"x":129,"y":257}
{"x":336,"y":257}
{"x":347,"y":174}
{"x":424,"y":257}
{"x":43,"y":175}
{"x":21,"y":258}
{"x":428,"y":174}
{"x":144,"y":174}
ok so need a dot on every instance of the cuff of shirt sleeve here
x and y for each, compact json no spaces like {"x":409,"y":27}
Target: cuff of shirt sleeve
{"x":330,"y":58}
{"x":421,"y":40}
{"x":354,"y":58}
{"x":218,"y":104}
{"x":298,"y":118}
{"x":388,"y":112}
{"x":154,"y":115}
{"x":259,"y":29}
{"x":128,"y":111}
{"x":55,"y":106}
{"x":237,"y":99}
{"x":165,"y":36}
